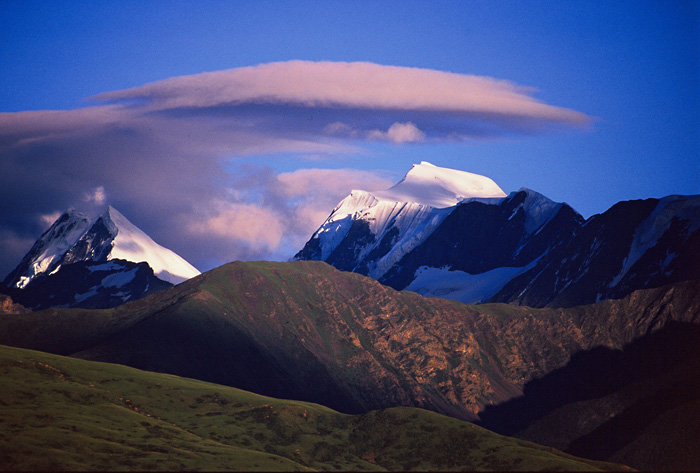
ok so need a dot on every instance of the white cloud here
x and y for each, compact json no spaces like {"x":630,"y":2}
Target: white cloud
{"x":48,"y":219}
{"x":399,"y":133}
{"x":97,"y":196}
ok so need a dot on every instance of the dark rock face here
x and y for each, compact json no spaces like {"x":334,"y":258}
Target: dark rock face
{"x":311,"y":251}
{"x":345,"y":256}
{"x":95,"y":245}
{"x":478,"y":237}
{"x":593,"y":264}
{"x":91,"y":285}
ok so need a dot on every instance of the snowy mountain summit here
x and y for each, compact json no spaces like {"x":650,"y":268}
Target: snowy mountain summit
{"x":74,"y":238}
{"x":439,"y":187}
{"x":369,"y":232}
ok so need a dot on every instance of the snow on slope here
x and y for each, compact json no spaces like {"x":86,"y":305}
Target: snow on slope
{"x":462,"y":286}
{"x":658,"y":222}
{"x":438,"y":187}
{"x":414,"y":222}
{"x":414,"y":207}
{"x":52,"y":245}
{"x":124,"y":241}
{"x":132,"y":244}
{"x":409,"y":217}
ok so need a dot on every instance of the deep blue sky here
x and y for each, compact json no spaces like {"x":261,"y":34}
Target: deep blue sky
{"x":632,"y":65}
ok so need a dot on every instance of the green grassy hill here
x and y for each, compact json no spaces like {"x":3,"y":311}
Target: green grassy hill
{"x":62,"y":413}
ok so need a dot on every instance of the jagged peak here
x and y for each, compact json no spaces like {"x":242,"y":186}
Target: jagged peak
{"x":123,"y":241}
{"x":539,"y":209}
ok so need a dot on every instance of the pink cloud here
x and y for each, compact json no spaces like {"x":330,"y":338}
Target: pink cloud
{"x":260,"y":228}
{"x":315,"y":183}
{"x":97,"y":196}
{"x":399,"y":133}
{"x":272,"y":214}
{"x":340,"y":84}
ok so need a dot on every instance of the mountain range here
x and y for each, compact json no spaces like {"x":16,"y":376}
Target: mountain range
{"x":93,"y":263}
{"x":441,"y":233}
{"x":584,"y":339}
{"x":307,"y":331}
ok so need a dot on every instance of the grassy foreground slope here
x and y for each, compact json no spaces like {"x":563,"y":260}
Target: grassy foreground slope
{"x":62,"y":413}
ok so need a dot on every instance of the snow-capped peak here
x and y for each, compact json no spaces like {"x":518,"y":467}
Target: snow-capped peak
{"x":74,"y":237}
{"x":47,"y":252}
{"x":132,"y":244}
{"x":439,"y":187}
{"x":411,"y":210}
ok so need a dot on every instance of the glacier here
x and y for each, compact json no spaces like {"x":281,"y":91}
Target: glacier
{"x":462,"y":286}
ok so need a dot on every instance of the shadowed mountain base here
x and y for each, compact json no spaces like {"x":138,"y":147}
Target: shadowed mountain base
{"x":639,"y":405}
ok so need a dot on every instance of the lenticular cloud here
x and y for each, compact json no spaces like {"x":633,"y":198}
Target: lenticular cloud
{"x":348,"y":85}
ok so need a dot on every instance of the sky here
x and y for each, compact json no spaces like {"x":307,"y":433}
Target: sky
{"x":228,"y":130}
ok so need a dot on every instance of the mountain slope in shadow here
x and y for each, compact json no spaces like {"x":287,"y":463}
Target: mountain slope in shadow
{"x":639,"y":405}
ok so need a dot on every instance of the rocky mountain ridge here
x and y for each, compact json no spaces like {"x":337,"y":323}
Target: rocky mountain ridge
{"x":306,"y":331}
